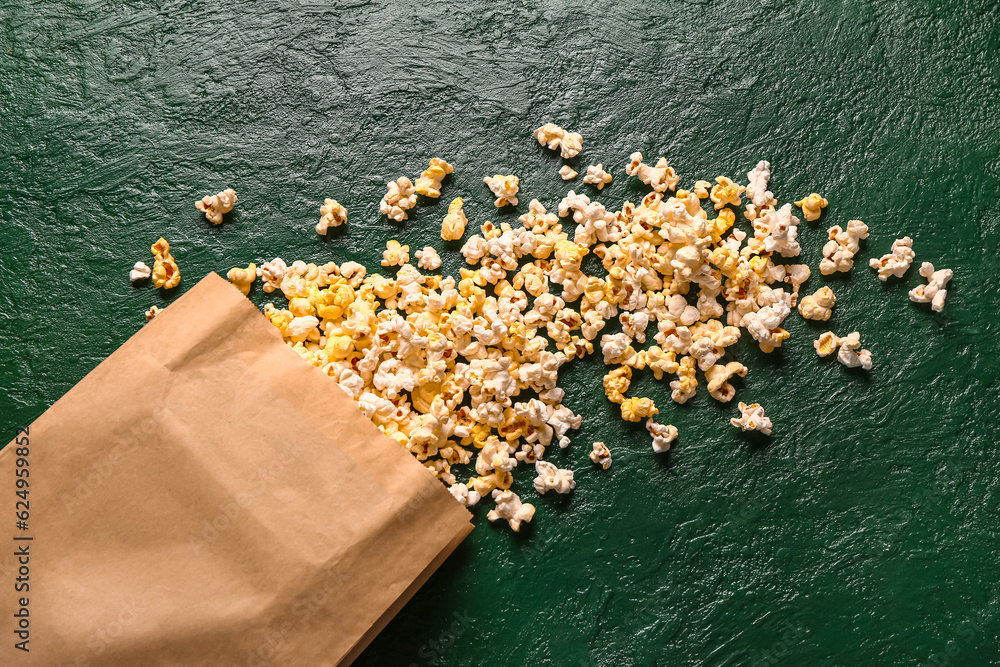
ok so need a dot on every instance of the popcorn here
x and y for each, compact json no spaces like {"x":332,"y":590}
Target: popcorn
{"x":152,"y":312}
{"x":273,"y":273}
{"x":551,"y":478}
{"x":616,"y":383}
{"x":510,"y":507}
{"x":464,"y":495}
{"x":776,"y":230}
{"x":839,"y":251}
{"x":701,"y":189}
{"x":934,"y":291}
{"x":718,"y":377}
{"x":597,"y":177}
{"x":395,"y":254}
{"x":660,"y":177}
{"x":213,"y":206}
{"x":400,"y":197}
{"x":139,"y":272}
{"x":601,"y":455}
{"x":818,"y":305}
{"x":504,"y":188}
{"x":760,"y":198}
{"x":243,"y":278}
{"x":165,"y":272}
{"x":332,"y":214}
{"x":453,"y":225}
{"x":428,"y":259}
{"x":848,"y":352}
{"x":554,"y":137}
{"x":726,"y":192}
{"x":684,"y":387}
{"x":663,"y":435}
{"x":812,"y":206}
{"x":637,"y":409}
{"x":897,"y":262}
{"x":567,"y":173}
{"x":752,"y":418}
{"x":429,"y":182}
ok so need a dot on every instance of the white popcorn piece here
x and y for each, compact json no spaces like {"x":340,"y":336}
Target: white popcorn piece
{"x":752,"y":418}
{"x":601,"y":455}
{"x":152,"y":312}
{"x":934,"y":291}
{"x":551,"y":478}
{"x":567,"y":173}
{"x":301,"y":328}
{"x":597,"y":177}
{"x":661,"y":176}
{"x":214,"y":206}
{"x":272,"y":273}
{"x":428,"y":258}
{"x":839,"y":251}
{"x":139,"y":272}
{"x":758,"y":196}
{"x":332,"y":214}
{"x":663,"y":435}
{"x":777,"y":230}
{"x":718,"y":377}
{"x":504,"y":188}
{"x":399,"y":198}
{"x":395,"y":254}
{"x":510,"y":508}
{"x":897,"y":262}
{"x":463,"y":494}
{"x":847,"y":349}
{"x":818,"y":305}
{"x":569,"y":144}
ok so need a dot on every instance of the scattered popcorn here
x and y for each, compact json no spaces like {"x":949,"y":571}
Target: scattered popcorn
{"x":812,"y":206}
{"x":510,"y":507}
{"x":718,"y":377}
{"x":213,"y":206}
{"x":151,"y":313}
{"x":165,"y":272}
{"x":567,"y":172}
{"x":637,"y":409}
{"x":272,"y":273}
{"x":726,"y":192}
{"x":429,"y":182}
{"x":453,"y":226}
{"x":597,"y":177}
{"x":660,"y":177}
{"x":401,"y":197}
{"x":818,"y":305}
{"x":139,"y":272}
{"x":934,"y":291}
{"x":847,"y":348}
{"x":554,"y":137}
{"x":551,"y":478}
{"x":243,"y":278}
{"x":701,"y":189}
{"x":332,"y":214}
{"x":504,"y":188}
{"x":601,"y":455}
{"x":395,"y":254}
{"x":428,"y":258}
{"x":663,"y":435}
{"x":839,"y":251}
{"x":760,"y":198}
{"x":752,"y":418}
{"x":464,"y":495}
{"x":897,"y":262}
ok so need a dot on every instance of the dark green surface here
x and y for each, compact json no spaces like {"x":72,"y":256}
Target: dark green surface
{"x":863,"y":532}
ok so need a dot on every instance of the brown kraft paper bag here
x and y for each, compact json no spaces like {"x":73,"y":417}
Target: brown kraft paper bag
{"x":205,"y":497}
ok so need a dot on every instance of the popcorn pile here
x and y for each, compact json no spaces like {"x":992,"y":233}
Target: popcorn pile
{"x":466,"y":371}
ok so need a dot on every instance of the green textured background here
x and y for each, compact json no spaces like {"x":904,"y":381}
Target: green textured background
{"x":863,"y":532}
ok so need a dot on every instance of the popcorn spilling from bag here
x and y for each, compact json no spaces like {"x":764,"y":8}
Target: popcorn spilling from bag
{"x":465,"y":370}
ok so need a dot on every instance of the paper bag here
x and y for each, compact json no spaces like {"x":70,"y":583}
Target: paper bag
{"x":205,"y":497}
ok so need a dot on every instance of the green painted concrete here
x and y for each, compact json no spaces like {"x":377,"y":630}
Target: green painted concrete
{"x":864,"y":532}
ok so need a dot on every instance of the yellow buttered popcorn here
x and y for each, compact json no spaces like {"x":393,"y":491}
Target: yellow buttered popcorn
{"x":616,"y":383}
{"x":243,"y":278}
{"x":395,"y":254}
{"x":429,"y":182}
{"x":637,"y":409}
{"x":166,"y":274}
{"x":453,"y":226}
{"x":812,"y":206}
{"x":726,"y":192}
